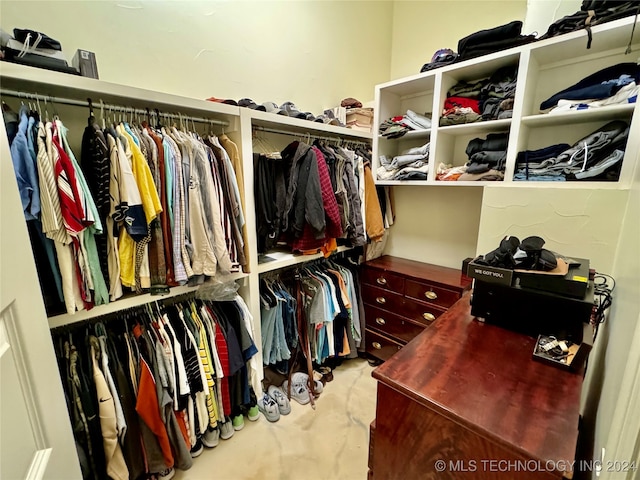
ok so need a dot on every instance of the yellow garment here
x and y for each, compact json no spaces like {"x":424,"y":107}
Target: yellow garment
{"x":151,"y":206}
{"x":373,"y":221}
{"x":232,"y":150}
{"x":209,"y":369}
{"x":142,"y":173}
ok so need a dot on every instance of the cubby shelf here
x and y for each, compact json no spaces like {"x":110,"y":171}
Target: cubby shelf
{"x":544,"y":68}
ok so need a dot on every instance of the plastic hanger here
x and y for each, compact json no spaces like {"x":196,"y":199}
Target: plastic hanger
{"x":102,"y":114}
{"x":91,"y":118}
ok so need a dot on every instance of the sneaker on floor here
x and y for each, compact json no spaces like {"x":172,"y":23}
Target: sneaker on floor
{"x":211,"y":437}
{"x":299,"y":391}
{"x":197,"y":449}
{"x":301,"y":377}
{"x":269,"y":408}
{"x":238,"y":422}
{"x":166,"y":474}
{"x":226,"y":430}
{"x":253,"y":413}
{"x":280,"y":398}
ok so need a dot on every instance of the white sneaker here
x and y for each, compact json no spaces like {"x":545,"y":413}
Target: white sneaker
{"x":280,"y":398}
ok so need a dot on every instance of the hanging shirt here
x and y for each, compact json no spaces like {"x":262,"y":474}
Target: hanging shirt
{"x":25,"y":169}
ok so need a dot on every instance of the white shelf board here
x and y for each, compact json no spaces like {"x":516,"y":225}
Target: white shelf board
{"x":446,"y":183}
{"x":58,"y":84}
{"x":288,"y":259}
{"x":475,"y":128}
{"x":505,"y":184}
{"x":390,"y":183}
{"x":298,"y":125}
{"x":606,"y":36}
{"x":421,"y":83}
{"x":126,"y":302}
{"x":408,"y":136}
{"x":573,"y":185}
{"x":579,"y":116}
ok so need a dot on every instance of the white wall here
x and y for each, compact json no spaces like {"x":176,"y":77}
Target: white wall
{"x":578,"y":223}
{"x":420,"y":28}
{"x":436,"y":224}
{"x":542,"y":13}
{"x":613,"y":348}
{"x":314,"y":53}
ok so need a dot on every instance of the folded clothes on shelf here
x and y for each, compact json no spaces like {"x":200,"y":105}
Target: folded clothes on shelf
{"x":397,"y":126}
{"x":598,"y":156}
{"x":487,"y":99}
{"x":604,"y":83}
{"x":412,"y":163}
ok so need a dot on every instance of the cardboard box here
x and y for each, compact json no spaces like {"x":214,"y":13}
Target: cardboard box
{"x":85,"y":62}
{"x":505,"y":276}
{"x":574,"y":283}
{"x":361,"y":116}
{"x":501,"y":276}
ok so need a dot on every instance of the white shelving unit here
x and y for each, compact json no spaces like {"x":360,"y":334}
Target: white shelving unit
{"x":70,"y":94}
{"x":281,"y":259}
{"x":130,"y":301}
{"x":238,"y":123}
{"x":544,"y":68}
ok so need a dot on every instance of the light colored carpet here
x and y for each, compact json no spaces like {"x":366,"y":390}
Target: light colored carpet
{"x":330,"y":442}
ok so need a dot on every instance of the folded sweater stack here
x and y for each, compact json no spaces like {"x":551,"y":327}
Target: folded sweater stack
{"x":396,"y":127}
{"x":486,"y":99}
{"x":598,"y":156}
{"x":411,"y":164}
{"x":613,"y":85}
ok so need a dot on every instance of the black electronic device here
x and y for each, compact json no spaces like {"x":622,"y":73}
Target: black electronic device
{"x":532,"y":312}
{"x":573,"y":284}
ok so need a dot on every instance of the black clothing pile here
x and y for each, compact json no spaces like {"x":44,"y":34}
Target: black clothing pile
{"x":525,"y":255}
{"x":492,"y":40}
{"x":307,"y":195}
{"x":592,"y":12}
{"x":496,"y":97}
{"x":487,"y":154}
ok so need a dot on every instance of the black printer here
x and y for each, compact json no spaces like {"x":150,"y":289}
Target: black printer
{"x":532,"y":312}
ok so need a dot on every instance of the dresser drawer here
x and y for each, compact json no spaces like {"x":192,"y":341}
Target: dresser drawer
{"x":383,"y":279}
{"x":428,"y":292}
{"x":380,"y":346}
{"x":424,"y":313}
{"x":381,"y":298}
{"x":392,"y":325}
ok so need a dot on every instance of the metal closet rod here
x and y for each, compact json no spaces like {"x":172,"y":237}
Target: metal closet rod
{"x":113,"y":107}
{"x":315,"y":137}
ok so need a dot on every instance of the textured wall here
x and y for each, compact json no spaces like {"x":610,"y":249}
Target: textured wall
{"x":422,"y":27}
{"x":314,"y":53}
{"x":582,"y":223}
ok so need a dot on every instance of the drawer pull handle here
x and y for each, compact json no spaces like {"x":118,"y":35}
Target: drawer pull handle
{"x":431,"y":295}
{"x":429,"y":316}
{"x":381,"y":281}
{"x":376,"y":345}
{"x":381,"y":300}
{"x":380,"y":321}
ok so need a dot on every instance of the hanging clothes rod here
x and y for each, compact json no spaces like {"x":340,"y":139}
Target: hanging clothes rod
{"x":112,"y":107}
{"x":315,"y":137}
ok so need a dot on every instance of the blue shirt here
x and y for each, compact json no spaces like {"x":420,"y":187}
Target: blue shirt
{"x":25,"y":170}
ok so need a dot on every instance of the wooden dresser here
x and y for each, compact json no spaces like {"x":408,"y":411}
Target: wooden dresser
{"x":464,"y":400}
{"x":402,"y":297}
